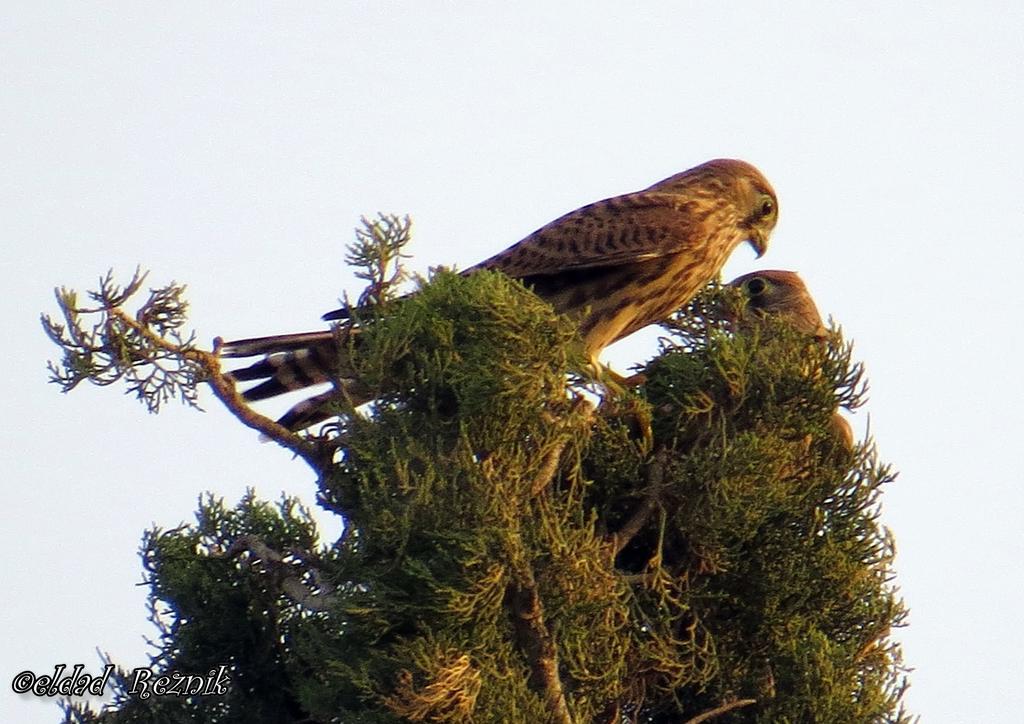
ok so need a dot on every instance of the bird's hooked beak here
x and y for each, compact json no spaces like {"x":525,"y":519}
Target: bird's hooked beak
{"x":758,"y":242}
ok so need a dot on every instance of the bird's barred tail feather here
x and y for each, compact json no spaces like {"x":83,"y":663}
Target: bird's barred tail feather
{"x":292,"y":362}
{"x":311,"y":411}
{"x":274,"y":343}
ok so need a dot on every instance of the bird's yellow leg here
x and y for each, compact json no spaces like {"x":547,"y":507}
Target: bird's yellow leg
{"x":622,"y":400}
{"x":616,"y":383}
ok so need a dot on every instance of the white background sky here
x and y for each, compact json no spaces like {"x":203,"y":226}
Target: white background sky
{"x":233,"y":146}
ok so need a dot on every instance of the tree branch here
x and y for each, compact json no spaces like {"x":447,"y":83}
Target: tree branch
{"x":723,"y":709}
{"x":224,"y":389}
{"x":655,"y":477}
{"x":538,"y":645}
{"x":549,"y":465}
{"x":284,"y":573}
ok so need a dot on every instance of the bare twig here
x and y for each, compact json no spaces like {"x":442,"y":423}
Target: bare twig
{"x":655,"y":477}
{"x":723,"y":709}
{"x":549,"y":465}
{"x":284,"y":573}
{"x":224,"y":388}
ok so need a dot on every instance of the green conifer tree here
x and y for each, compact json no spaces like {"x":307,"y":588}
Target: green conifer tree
{"x":523,"y":542}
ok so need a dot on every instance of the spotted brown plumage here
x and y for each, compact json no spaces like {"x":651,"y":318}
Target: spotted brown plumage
{"x":615,"y":266}
{"x":778,"y":293}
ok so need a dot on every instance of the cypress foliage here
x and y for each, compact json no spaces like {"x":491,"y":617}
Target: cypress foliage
{"x":517,"y":550}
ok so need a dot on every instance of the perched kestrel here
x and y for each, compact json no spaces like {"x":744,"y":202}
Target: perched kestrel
{"x":616,"y":266}
{"x":778,"y":293}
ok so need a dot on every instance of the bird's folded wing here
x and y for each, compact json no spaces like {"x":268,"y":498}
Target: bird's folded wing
{"x":616,"y":231}
{"x":610,"y":233}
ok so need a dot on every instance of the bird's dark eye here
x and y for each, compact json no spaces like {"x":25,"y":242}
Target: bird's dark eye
{"x":756,"y":286}
{"x":767,"y":206}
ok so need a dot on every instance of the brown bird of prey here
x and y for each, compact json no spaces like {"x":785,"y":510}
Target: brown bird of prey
{"x":777,"y":293}
{"x":616,"y":266}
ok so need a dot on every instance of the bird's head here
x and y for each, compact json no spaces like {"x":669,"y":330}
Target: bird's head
{"x":778,"y":293}
{"x":736,"y":187}
{"x":755,"y":201}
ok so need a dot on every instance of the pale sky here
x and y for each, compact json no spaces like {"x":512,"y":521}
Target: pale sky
{"x":234,"y":146}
